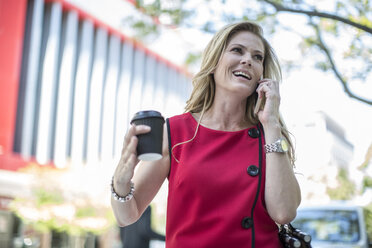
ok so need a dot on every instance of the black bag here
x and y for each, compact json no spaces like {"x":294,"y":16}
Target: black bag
{"x":291,"y":237}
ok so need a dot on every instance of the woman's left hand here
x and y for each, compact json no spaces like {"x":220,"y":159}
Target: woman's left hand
{"x":269,"y":89}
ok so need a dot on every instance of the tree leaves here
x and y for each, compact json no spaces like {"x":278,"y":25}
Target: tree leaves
{"x":346,"y":188}
{"x":351,"y":19}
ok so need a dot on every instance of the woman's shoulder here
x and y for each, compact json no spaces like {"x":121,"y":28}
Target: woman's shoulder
{"x":183,"y":122}
{"x":180,"y":117}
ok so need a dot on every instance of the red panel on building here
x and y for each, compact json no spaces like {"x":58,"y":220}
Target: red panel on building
{"x":12,"y":23}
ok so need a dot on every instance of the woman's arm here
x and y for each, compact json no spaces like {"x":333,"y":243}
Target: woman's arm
{"x":282,"y":192}
{"x":147,"y":177}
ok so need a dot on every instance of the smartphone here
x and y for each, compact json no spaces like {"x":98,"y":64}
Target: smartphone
{"x":260,"y":102}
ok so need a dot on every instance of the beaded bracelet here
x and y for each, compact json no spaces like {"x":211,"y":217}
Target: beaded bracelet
{"x":119,"y":198}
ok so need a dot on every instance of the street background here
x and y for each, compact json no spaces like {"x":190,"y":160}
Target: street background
{"x":79,"y":88}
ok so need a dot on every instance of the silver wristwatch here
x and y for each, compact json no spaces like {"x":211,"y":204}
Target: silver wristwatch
{"x":280,"y":145}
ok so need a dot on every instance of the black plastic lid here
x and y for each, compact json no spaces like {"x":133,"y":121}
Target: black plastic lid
{"x":146,"y":114}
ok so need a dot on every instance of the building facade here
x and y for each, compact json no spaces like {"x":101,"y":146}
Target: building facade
{"x":69,"y":85}
{"x":322,"y":151}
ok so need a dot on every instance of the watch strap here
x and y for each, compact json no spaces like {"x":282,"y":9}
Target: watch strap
{"x":276,"y":146}
{"x":273,"y":147}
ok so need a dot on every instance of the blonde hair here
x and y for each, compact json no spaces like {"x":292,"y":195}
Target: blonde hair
{"x":202,"y":95}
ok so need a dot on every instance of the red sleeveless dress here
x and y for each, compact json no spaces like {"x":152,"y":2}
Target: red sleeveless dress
{"x":213,"y":188}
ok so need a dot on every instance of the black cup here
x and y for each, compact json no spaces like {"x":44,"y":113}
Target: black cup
{"x":149,"y":146}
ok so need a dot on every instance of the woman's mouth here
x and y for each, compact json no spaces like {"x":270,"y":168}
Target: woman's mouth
{"x":242,"y":74}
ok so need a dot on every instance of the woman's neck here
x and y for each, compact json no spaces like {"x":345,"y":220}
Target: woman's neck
{"x":224,"y":116}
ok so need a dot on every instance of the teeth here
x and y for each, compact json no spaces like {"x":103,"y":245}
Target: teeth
{"x":240,"y":73}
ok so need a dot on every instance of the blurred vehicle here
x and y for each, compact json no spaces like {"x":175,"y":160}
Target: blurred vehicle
{"x":336,"y":225}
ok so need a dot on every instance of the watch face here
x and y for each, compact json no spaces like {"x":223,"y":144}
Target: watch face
{"x":284,"y":145}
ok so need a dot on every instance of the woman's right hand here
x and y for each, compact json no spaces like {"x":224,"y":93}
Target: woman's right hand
{"x":147,"y":180}
{"x":128,"y":160}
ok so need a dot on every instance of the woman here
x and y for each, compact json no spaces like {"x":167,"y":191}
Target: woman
{"x":226,"y":189}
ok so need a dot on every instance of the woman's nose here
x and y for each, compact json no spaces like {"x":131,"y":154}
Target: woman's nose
{"x":246,"y":60}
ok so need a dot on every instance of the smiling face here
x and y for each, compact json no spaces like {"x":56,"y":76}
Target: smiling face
{"x":241,"y":64}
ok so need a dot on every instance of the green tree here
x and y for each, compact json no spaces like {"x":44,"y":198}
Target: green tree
{"x":346,"y":189}
{"x":367,"y":185}
{"x":325,"y":32}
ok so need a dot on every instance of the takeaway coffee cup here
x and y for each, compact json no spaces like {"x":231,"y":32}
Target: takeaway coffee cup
{"x":149,"y":146}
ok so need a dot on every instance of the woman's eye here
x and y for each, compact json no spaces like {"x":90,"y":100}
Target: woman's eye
{"x":237,"y":49}
{"x":259,"y":57}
